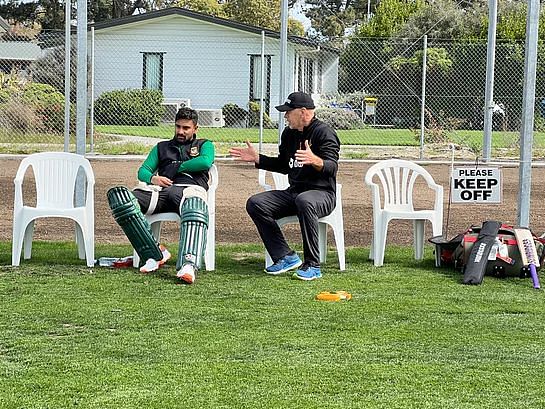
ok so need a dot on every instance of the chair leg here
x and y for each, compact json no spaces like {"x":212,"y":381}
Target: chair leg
{"x":156,"y":230}
{"x":418,"y":239}
{"x":268,"y":259}
{"x":322,"y":241}
{"x":27,"y":241}
{"x":437,"y":228}
{"x":17,"y":242}
{"x":135,"y":259}
{"x":380,"y":243}
{"x":210,"y":251}
{"x":338,"y":232}
{"x":90,"y":244}
{"x":371,"y":248}
{"x":80,"y":241}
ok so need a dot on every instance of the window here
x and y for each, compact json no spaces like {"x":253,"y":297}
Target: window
{"x":152,"y":73}
{"x":305,"y":75}
{"x":255,"y":80}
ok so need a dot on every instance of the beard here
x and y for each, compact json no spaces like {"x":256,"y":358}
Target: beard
{"x":183,"y":140}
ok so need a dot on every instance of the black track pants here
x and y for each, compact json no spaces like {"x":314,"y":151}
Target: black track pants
{"x":265,"y":208}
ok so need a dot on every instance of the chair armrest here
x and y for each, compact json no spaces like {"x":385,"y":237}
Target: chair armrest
{"x":261,"y":179}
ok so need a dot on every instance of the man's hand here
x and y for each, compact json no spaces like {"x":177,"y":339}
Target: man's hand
{"x":307,"y":157}
{"x":162,"y":181}
{"x":247,"y":154}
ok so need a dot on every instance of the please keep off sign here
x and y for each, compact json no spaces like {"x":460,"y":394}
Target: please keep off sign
{"x":476,"y":185}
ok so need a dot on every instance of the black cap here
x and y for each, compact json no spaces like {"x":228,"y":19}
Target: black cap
{"x":296,"y":100}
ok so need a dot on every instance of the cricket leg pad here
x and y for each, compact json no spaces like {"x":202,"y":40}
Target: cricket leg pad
{"x":127,"y":214}
{"x":193,"y":229}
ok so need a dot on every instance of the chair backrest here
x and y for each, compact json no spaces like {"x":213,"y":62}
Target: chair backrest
{"x":55,"y":176}
{"x":397,"y":178}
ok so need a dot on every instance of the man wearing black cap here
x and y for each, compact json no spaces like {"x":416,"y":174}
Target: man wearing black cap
{"x":308,"y":154}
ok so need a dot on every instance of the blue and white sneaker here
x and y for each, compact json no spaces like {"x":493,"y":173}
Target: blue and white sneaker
{"x":307,"y":273}
{"x":286,"y":263}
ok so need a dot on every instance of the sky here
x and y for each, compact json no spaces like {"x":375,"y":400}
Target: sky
{"x":297,"y":13}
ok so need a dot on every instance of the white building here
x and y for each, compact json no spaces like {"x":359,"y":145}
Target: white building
{"x":207,"y":60}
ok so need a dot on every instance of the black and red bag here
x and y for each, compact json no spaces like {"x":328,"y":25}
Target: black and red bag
{"x":456,"y":251}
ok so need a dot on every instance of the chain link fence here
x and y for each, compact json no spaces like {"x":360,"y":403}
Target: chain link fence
{"x":370,"y":90}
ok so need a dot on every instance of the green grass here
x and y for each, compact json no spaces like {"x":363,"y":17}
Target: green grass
{"x":107,"y":139}
{"x":411,"y":337}
{"x":367,"y":136}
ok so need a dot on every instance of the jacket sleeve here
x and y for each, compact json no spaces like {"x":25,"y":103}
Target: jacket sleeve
{"x":329,"y":152}
{"x":202,"y":162}
{"x":280,"y":163}
{"x":149,"y":167}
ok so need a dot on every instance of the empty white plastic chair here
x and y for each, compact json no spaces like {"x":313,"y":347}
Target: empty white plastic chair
{"x":55,"y":177}
{"x":334,"y":219}
{"x":396,"y":183}
{"x":156,"y":220}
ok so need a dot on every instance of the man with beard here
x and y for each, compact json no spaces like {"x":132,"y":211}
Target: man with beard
{"x":174,"y":178}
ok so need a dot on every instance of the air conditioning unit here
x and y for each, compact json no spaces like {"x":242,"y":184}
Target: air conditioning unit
{"x":172,"y":105}
{"x":211,"y":118}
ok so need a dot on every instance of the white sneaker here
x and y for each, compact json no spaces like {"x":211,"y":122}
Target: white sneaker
{"x":166,"y":254}
{"x":187,"y":273}
{"x":152,"y":265}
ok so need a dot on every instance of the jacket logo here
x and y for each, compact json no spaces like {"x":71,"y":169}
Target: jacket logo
{"x":294,"y":163}
{"x":194,"y":151}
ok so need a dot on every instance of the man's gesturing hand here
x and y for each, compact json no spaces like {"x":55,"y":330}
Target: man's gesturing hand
{"x":247,"y":154}
{"x":307,"y":157}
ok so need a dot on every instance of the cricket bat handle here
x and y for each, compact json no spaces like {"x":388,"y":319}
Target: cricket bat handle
{"x":533,"y":275}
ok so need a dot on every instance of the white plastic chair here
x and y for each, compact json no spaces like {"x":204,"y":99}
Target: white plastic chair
{"x":397,"y":180}
{"x":55,"y":177}
{"x":156,"y":220}
{"x":335,"y":219}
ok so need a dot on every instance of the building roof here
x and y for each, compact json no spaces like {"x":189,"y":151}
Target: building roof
{"x":19,"y":51}
{"x":210,"y":19}
{"x":4,"y":25}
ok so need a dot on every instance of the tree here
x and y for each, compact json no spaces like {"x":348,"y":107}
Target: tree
{"x":261,"y":13}
{"x":331,"y":18}
{"x":389,"y":18}
{"x":50,"y":14}
{"x":211,"y":7}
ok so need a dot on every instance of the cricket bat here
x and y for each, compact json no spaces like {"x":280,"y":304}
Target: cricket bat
{"x":528,"y":253}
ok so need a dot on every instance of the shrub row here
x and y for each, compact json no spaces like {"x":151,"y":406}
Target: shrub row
{"x":138,"y":107}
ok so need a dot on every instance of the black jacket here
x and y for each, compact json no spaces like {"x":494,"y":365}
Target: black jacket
{"x":172,"y":154}
{"x":323,"y":142}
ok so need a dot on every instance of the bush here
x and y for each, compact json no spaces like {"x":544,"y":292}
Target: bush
{"x":340,"y":119}
{"x":18,"y":116}
{"x":254,"y":116}
{"x":140,"y":107}
{"x":48,"y":104}
{"x":353,"y":99}
{"x":234,"y":116}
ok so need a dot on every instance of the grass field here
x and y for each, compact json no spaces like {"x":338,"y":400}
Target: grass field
{"x":368,"y":136}
{"x":411,"y":337}
{"x":107,"y":139}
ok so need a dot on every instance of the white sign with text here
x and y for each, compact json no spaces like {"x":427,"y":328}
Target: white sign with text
{"x":476,"y":185}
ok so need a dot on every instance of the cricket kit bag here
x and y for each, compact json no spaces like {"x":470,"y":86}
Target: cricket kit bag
{"x":488,"y":250}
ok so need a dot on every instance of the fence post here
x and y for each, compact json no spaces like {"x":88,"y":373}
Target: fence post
{"x":489,"y":91}
{"x":528,"y":103}
{"x":67,"y":67}
{"x":423,"y":104}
